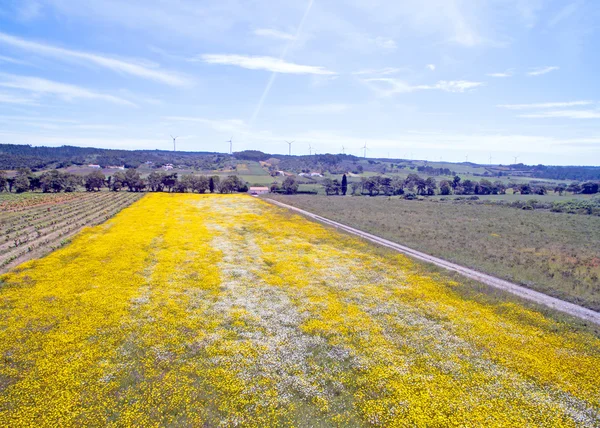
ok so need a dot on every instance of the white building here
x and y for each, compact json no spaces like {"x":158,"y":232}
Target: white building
{"x":255,"y":191}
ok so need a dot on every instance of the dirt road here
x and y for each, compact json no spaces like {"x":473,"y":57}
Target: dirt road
{"x":518,"y":290}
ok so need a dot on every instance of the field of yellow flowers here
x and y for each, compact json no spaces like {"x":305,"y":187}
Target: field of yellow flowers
{"x":219,"y":310}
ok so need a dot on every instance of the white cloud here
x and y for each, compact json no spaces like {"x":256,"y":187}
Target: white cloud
{"x":542,"y":70}
{"x":390,"y":86}
{"x":117,"y":65}
{"x":507,"y":73}
{"x":12,"y":99}
{"x":384,"y":43}
{"x":276,"y":34}
{"x":276,"y":65}
{"x":332,"y":108}
{"x":379,"y":72}
{"x":12,"y":60}
{"x":430,"y":67}
{"x":456,"y":85}
{"x":67,"y":92}
{"x":545,"y":105}
{"x":567,"y":114}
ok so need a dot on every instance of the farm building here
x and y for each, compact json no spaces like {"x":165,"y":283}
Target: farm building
{"x":94,"y":166}
{"x":258,"y":190}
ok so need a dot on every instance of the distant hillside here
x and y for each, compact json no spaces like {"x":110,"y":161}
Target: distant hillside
{"x":13,"y":156}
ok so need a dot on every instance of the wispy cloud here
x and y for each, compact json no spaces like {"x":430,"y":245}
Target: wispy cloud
{"x":269,"y":63}
{"x":384,"y":43}
{"x":12,"y":99}
{"x":332,"y":108}
{"x":508,"y":73}
{"x":567,"y":114}
{"x":12,"y":60}
{"x":542,"y":70}
{"x":390,"y":86}
{"x":117,"y":65}
{"x":545,"y":105}
{"x":430,"y":67}
{"x":65,"y":91}
{"x":565,"y":13}
{"x":386,"y":71}
{"x":275,"y":34}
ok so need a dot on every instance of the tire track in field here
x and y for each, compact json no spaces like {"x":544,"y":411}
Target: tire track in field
{"x":518,"y":290}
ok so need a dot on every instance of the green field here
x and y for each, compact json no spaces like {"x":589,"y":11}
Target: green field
{"x":509,"y":197}
{"x":557,"y":254}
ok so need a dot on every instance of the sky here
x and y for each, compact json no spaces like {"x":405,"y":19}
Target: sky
{"x":476,"y":80}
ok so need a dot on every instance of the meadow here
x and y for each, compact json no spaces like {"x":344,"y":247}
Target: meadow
{"x":222,"y":310}
{"x":555,"y":253}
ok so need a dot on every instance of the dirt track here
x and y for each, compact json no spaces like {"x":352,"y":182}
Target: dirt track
{"x":518,"y":290}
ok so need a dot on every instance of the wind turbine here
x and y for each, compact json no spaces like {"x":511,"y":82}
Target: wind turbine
{"x":490,"y":159}
{"x":230,"y":145}
{"x":365,"y":150}
{"x":174,"y":142}
{"x":343,"y":150}
{"x":516,"y":158}
{"x":467,"y":158}
{"x":309,"y":149}
{"x":290,"y":144}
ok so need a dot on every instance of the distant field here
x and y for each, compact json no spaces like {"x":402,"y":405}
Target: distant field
{"x":213,"y":310}
{"x":33,"y":224}
{"x":557,"y":254}
{"x":509,"y":197}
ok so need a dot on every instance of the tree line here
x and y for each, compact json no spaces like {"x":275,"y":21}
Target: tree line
{"x":415,"y":185}
{"x":55,"y":181}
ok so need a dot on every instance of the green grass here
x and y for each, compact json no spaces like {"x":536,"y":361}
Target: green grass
{"x":557,"y":254}
{"x":509,"y":197}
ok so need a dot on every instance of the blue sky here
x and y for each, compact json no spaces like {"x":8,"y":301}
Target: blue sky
{"x":426,"y":79}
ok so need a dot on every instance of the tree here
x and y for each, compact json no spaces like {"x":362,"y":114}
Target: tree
{"x":499,"y":188}
{"x":232,"y":184}
{"x":430,"y":186}
{"x":344,"y":185}
{"x":372,"y":186}
{"x":186,"y":182}
{"x":52,"y":181}
{"x":485,"y":187}
{"x":445,"y":188}
{"x":574,"y":188}
{"x":589,"y":188}
{"x":213,"y":183}
{"x":455,"y":182}
{"x":3,"y":181}
{"x":355,"y":186}
{"x":155,"y":181}
{"x":119,"y":180}
{"x":332,"y":187}
{"x":290,"y":185}
{"x":21,"y":183}
{"x":560,"y":188}
{"x":133,"y":180}
{"x":525,"y":189}
{"x":71,"y":182}
{"x":200,"y":184}
{"x":468,"y":187}
{"x":94,"y":181}
{"x":35,"y":183}
{"x":169,"y":180}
